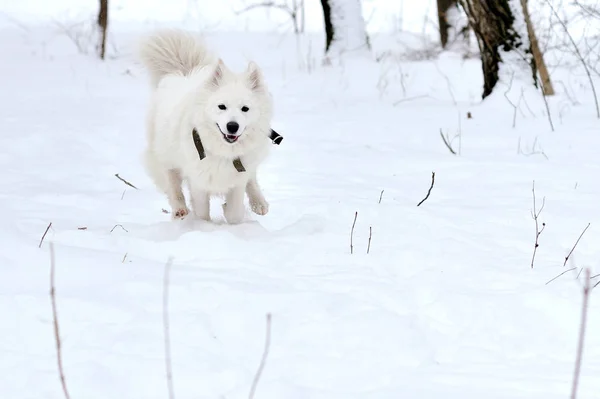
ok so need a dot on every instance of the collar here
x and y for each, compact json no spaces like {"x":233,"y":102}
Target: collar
{"x":275,"y":137}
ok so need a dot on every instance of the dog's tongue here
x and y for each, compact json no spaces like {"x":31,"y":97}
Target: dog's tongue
{"x":232,"y":137}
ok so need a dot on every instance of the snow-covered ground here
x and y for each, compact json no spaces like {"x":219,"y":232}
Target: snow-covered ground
{"x":445,"y":305}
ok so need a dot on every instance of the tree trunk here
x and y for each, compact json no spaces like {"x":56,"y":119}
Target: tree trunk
{"x":443,"y":6}
{"x":344,"y":27}
{"x":103,"y":25}
{"x":493,"y":24}
{"x":547,"y":87}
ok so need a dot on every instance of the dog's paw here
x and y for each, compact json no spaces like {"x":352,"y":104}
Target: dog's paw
{"x":233,"y":214}
{"x":260,"y":207}
{"x":180,"y":213}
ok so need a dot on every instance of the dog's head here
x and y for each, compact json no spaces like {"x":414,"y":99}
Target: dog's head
{"x":238,"y":106}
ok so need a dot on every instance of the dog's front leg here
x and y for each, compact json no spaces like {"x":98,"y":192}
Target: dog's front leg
{"x":258,"y":203}
{"x":233,"y":209}
{"x":200,"y":202}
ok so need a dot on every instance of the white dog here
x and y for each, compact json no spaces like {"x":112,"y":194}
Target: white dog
{"x":206,"y":125}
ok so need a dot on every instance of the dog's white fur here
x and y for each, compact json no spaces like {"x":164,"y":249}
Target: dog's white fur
{"x":190,"y":85}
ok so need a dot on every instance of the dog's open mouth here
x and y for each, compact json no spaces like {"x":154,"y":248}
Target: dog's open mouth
{"x":230,"y":138}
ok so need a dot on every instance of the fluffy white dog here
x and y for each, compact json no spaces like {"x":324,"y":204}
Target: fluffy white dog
{"x":206,"y":125}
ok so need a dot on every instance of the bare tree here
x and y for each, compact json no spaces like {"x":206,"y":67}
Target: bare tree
{"x":345,"y":29}
{"x":493,"y":24}
{"x":538,"y":58}
{"x":103,"y":26}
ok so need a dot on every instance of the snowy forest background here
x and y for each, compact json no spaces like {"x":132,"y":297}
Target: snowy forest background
{"x":434,"y":214}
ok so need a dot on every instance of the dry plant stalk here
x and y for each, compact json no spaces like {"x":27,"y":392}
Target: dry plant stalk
{"x":381,"y":196}
{"x":370,"y":235}
{"x":566,"y":271}
{"x":168,"y":367}
{"x":430,"y":187}
{"x":535,"y":214}
{"x":448,"y":146}
{"x":125,"y":181}
{"x":263,"y":360}
{"x":584,"y":308}
{"x":44,"y":235}
{"x":352,"y":233}
{"x":119,"y":225}
{"x":576,"y":242}
{"x":61,"y":372}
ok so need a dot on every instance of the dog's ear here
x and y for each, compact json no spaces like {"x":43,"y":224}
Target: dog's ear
{"x":255,"y":78}
{"x":217,"y":75}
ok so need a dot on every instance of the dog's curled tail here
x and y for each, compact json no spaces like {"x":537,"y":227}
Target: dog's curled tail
{"x":172,"y":51}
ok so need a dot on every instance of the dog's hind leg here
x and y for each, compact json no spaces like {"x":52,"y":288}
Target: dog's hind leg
{"x":168,"y":181}
{"x":258,"y":203}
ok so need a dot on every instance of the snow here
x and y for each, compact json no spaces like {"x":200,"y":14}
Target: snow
{"x":445,"y":305}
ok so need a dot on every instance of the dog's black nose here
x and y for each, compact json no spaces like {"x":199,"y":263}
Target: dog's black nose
{"x":232,"y":127}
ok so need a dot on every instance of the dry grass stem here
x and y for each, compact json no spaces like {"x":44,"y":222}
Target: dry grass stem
{"x":263,"y":360}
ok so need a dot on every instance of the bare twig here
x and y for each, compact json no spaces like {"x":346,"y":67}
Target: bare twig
{"x":578,"y":54}
{"x":82,"y":228}
{"x":584,"y":308}
{"x":119,"y":225}
{"x":429,"y":191}
{"x":44,"y":236}
{"x":125,"y":181}
{"x":166,"y":328}
{"x":566,"y":271}
{"x":352,"y":233}
{"x":123,"y":195}
{"x":61,"y":372}
{"x":124,"y":257}
{"x":370,"y":235}
{"x":381,"y":196}
{"x":576,"y":242}
{"x":535,"y":214}
{"x":263,"y":360}
{"x":447,"y":143}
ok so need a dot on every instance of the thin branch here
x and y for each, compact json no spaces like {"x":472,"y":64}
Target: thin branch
{"x":166,"y":329}
{"x":263,"y":360}
{"x":370,"y":235}
{"x":352,"y":233}
{"x":535,"y":214}
{"x":579,"y":55}
{"x":584,"y":308}
{"x":447,"y":143}
{"x":119,"y":225}
{"x":429,"y":191}
{"x":44,"y":236}
{"x":566,"y":271}
{"x":576,"y":242}
{"x":125,"y":181}
{"x":61,"y":372}
{"x":381,"y":196}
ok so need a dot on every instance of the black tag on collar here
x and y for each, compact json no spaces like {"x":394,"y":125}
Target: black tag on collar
{"x":275,"y":137}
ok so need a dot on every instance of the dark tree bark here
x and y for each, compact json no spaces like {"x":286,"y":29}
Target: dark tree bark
{"x":443,"y":6}
{"x":493,"y":24}
{"x":103,"y":26}
{"x":328,"y":24}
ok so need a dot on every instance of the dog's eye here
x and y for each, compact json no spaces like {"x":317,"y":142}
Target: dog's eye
{"x":245,"y":109}
{"x":222,"y":106}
